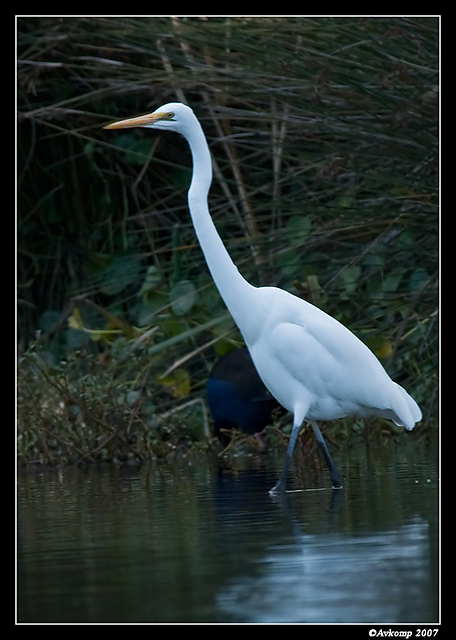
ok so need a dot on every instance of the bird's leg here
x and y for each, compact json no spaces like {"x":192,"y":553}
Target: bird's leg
{"x":280,"y":486}
{"x":335,"y":477}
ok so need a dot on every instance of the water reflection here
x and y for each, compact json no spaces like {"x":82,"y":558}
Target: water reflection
{"x":331,"y":578}
{"x":193,"y":543}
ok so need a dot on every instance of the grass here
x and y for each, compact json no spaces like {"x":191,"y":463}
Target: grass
{"x":324,"y":134}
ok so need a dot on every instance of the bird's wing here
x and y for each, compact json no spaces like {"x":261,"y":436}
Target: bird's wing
{"x":329,"y":360}
{"x":308,"y":359}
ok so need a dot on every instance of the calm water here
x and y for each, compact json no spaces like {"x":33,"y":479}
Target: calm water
{"x":193,"y":543}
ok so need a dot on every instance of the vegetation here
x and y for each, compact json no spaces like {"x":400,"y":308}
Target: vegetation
{"x":324,"y":134}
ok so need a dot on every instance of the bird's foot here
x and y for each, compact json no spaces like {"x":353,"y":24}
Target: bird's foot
{"x":276,"y":490}
{"x":336,"y":482}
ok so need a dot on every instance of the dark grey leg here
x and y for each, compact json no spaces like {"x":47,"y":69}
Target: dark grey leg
{"x":335,"y":477}
{"x":280,"y":486}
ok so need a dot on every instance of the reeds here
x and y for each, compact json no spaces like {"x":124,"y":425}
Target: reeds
{"x":324,"y":136}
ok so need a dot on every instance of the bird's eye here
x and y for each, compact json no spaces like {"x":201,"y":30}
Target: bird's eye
{"x":170,"y":115}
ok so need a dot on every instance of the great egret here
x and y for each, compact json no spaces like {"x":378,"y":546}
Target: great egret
{"x":313,"y":365}
{"x":237,"y":397}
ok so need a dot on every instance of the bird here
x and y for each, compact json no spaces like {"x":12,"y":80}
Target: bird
{"x":237,"y":398}
{"x":311,"y":363}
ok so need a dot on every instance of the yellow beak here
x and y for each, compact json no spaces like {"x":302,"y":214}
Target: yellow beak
{"x":139,"y":121}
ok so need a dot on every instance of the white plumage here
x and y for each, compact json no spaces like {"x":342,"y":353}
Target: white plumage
{"x":313,"y":365}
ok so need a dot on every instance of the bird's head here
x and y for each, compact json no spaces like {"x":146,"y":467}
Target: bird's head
{"x":173,"y":116}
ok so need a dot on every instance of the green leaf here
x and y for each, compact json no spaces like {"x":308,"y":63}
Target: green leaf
{"x":374,"y":260}
{"x":121,"y":272}
{"x":345,"y":201}
{"x":177,"y":383}
{"x":348,"y":279}
{"x":418,"y":278}
{"x":183,"y":296}
{"x":151,"y":280}
{"x":151,"y":303}
{"x":48,"y":320}
{"x":298,"y":228}
{"x":392,"y":280}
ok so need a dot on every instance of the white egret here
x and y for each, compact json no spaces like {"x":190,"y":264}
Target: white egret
{"x":313,"y":365}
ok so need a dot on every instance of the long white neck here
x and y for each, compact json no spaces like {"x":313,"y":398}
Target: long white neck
{"x":237,"y":293}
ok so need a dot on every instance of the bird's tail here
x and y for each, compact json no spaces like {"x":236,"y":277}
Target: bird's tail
{"x":406,"y":410}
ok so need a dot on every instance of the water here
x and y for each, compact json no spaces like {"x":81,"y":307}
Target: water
{"x":192,"y":543}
